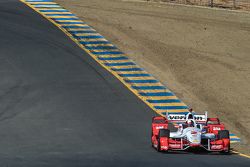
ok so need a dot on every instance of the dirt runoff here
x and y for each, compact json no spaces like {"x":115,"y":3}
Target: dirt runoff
{"x":203,"y":55}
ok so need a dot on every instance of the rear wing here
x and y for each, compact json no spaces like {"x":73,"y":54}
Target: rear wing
{"x":201,"y":118}
{"x":182,"y":118}
{"x":178,"y":118}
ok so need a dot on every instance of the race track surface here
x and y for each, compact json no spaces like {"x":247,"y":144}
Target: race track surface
{"x":58,"y":107}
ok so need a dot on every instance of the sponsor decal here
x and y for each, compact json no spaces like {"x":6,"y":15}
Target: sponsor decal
{"x":159,"y":127}
{"x":177,"y":117}
{"x":216,"y":128}
{"x":182,"y":117}
{"x":200,"y":117}
{"x":175,"y":146}
{"x":193,"y":132}
{"x":216,"y":147}
{"x":164,"y":147}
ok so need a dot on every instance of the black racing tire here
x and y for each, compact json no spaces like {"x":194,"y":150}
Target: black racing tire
{"x":164,"y":133}
{"x":227,"y":151}
{"x":158,"y":148}
{"x":223,"y":134}
{"x":151,"y":138}
{"x":153,"y":119}
{"x":172,"y":128}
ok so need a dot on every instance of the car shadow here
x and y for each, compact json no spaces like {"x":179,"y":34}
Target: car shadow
{"x":199,"y":152}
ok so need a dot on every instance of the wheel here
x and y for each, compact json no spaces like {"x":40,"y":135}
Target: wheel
{"x":158,"y":148}
{"x":228,"y":150}
{"x":164,"y":133}
{"x":172,"y":128}
{"x":224,"y":134}
{"x":152,"y":143}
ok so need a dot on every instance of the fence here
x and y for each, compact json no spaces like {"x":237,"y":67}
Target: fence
{"x":228,"y":4}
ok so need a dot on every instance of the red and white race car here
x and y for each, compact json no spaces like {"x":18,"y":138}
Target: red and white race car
{"x":181,"y":132}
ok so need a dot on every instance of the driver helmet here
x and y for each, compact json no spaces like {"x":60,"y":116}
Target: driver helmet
{"x":190,"y":114}
{"x":190,"y":110}
{"x":190,"y":123}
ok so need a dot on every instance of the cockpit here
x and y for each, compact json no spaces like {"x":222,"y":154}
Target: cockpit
{"x":190,"y":123}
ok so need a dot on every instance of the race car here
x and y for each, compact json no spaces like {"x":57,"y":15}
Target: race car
{"x":184,"y":131}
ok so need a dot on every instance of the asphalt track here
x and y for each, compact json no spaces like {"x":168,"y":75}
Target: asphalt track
{"x":58,"y":107}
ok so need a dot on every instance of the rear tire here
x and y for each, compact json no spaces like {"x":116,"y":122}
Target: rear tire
{"x":164,"y":133}
{"x":224,"y":134}
{"x":158,"y":148}
{"x":227,"y":151}
{"x":152,"y":144}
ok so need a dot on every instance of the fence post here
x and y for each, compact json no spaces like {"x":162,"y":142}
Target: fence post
{"x":234,"y":3}
{"x":212,"y":3}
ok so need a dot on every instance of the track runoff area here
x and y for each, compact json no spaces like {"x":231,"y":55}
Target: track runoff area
{"x":156,"y":95}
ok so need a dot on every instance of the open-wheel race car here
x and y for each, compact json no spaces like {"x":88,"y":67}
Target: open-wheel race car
{"x":184,"y":131}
